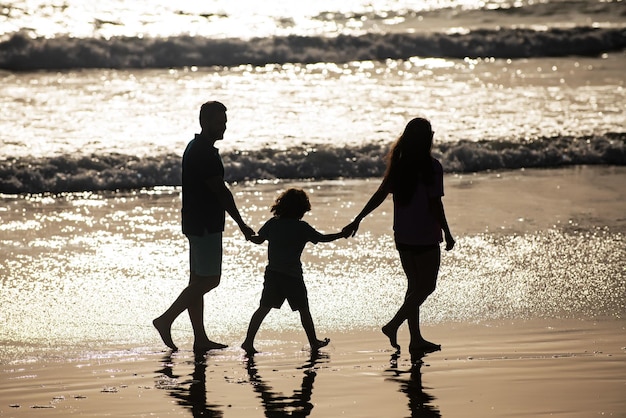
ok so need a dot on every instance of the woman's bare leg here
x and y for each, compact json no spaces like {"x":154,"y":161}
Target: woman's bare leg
{"x":421,"y":271}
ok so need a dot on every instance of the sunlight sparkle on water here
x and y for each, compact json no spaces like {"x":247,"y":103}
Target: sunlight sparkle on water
{"x":326,"y":104}
{"x":79,"y":273}
{"x":106,"y":286}
{"x":219,"y":18}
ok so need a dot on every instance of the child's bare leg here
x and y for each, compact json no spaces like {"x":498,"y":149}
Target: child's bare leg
{"x":255,"y":323}
{"x":309,"y":328}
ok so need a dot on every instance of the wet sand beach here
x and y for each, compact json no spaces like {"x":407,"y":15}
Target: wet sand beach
{"x":529,"y":308}
{"x":499,"y":369}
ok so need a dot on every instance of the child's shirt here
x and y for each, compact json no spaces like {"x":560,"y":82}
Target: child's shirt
{"x":286,"y":239}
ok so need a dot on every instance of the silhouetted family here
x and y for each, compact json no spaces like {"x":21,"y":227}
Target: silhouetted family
{"x":413,"y":177}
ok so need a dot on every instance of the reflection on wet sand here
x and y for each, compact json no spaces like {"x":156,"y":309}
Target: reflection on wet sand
{"x":191,"y":392}
{"x":420,"y":402}
{"x":276,"y":404}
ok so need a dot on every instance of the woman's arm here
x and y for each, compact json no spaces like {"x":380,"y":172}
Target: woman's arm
{"x":375,"y":201}
{"x":436,"y":205}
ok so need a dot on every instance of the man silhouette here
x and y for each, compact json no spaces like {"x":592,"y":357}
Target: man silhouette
{"x":206,"y":199}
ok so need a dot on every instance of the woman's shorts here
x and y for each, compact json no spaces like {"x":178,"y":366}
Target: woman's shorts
{"x":279,"y":286}
{"x":205,"y":254}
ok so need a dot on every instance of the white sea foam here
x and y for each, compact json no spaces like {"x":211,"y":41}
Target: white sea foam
{"x":20,"y":52}
{"x":118,"y":171}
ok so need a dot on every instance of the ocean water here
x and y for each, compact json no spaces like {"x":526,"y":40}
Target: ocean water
{"x":98,"y":100}
{"x":105,"y":96}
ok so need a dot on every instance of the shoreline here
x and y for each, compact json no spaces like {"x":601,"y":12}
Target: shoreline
{"x":508,"y":201}
{"x":540,"y":367}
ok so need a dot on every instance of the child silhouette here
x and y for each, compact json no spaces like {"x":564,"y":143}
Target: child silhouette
{"x":287,"y":235}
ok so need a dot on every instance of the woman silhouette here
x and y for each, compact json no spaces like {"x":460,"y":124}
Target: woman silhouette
{"x":415,"y":179}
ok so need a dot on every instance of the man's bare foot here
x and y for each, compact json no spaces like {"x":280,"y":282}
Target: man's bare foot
{"x":249,"y":349}
{"x":165,"y":332}
{"x":392,"y":334}
{"x":207,"y":346}
{"x":319,"y":344}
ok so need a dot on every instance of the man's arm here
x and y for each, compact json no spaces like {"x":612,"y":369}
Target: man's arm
{"x":226,"y":199}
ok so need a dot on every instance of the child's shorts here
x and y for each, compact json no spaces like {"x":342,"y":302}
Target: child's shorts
{"x":279,"y":286}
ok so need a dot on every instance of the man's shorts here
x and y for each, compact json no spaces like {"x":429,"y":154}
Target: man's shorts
{"x":279,"y":286}
{"x":205,"y":254}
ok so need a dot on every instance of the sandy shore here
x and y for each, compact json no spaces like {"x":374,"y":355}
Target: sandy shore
{"x":487,"y":367}
{"x":537,"y":368}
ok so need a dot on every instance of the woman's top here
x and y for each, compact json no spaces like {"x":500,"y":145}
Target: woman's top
{"x":416,"y":222}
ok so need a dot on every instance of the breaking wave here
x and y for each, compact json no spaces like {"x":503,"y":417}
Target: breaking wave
{"x":118,"y":171}
{"x":20,"y":52}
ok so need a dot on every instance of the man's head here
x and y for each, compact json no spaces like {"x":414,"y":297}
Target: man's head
{"x":213,"y":120}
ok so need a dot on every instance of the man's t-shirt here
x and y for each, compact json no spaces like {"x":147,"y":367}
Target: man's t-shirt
{"x":287,"y":238}
{"x":201,"y":209}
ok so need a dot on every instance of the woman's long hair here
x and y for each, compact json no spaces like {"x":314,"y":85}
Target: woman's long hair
{"x":409,"y":161}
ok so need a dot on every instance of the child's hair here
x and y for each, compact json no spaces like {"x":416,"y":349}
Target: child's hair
{"x":292,"y":203}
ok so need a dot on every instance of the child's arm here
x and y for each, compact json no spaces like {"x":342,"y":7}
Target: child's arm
{"x":257,"y":239}
{"x":336,"y":236}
